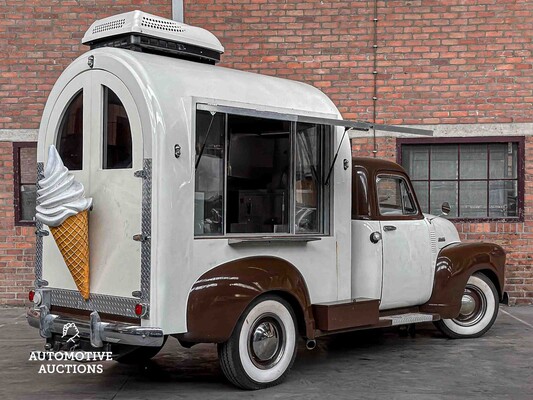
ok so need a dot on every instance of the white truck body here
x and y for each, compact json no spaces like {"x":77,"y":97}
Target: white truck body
{"x":160,"y":95}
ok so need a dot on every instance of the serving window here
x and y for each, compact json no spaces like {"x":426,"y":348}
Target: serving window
{"x":257,"y":175}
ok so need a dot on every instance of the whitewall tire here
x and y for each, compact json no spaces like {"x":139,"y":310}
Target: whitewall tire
{"x":479,"y":309}
{"x":262,"y":347}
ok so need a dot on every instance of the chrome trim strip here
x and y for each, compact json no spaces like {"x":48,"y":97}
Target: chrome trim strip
{"x":146,"y":228}
{"x":38,"y":229}
{"x":96,"y":331}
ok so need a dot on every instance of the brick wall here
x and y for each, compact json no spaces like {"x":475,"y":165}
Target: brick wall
{"x":447,"y":61}
{"x":16,"y":242}
{"x":439,"y":62}
{"x":38,"y":39}
{"x":515,"y":237}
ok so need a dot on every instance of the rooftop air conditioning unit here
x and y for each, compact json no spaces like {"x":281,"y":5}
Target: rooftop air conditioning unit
{"x":140,"y":31}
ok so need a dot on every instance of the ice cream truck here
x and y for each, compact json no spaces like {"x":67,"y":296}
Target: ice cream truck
{"x":178,"y":198}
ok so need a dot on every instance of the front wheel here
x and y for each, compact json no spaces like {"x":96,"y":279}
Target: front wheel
{"x":262,"y":347}
{"x":479,"y":309}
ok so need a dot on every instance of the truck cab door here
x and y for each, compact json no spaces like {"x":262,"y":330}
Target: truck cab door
{"x":407,"y":250}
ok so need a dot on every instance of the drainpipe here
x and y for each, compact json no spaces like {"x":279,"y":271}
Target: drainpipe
{"x":177,"y":10}
{"x":375,"y":76}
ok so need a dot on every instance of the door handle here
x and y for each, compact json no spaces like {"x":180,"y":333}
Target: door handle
{"x":388,"y":228}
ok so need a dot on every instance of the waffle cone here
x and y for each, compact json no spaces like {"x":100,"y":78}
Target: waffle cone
{"x":72,"y":238}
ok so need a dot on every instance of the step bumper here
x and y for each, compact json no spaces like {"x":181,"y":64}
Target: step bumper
{"x":94,"y":330}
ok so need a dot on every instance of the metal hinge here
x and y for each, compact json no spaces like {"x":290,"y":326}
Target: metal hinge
{"x":41,"y":232}
{"x":140,"y":174}
{"x":141,"y":238}
{"x":40,"y":283}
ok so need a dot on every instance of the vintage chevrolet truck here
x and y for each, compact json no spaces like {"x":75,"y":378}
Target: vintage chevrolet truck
{"x":227,"y":208}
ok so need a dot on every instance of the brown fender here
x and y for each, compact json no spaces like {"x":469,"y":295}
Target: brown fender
{"x":455,"y":264}
{"x":219,"y":297}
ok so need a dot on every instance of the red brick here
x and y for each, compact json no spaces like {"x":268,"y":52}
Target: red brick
{"x":440,"y":62}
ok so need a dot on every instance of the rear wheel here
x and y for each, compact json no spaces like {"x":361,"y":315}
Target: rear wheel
{"x":479,"y":309}
{"x":262,"y":347}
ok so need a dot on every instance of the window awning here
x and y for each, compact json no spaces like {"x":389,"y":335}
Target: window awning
{"x":356,"y":125}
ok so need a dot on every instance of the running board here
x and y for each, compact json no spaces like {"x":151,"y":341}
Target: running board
{"x":410,"y":318}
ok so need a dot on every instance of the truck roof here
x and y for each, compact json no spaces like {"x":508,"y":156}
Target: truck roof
{"x":373,"y":165}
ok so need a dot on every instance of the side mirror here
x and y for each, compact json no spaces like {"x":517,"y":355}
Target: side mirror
{"x":445,"y":210}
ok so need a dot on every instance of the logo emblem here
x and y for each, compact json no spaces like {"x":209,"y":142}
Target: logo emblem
{"x":69,"y":326}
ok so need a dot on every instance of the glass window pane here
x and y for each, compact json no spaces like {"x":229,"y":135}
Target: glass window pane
{"x":503,"y":160}
{"x":308,"y":178}
{"x":28,"y":195}
{"x":473,"y":203}
{"x":473,"y":164}
{"x":209,"y":177}
{"x":503,"y":199}
{"x":117,"y":133}
{"x":415,"y":159}
{"x":444,"y":162}
{"x":476,"y":163}
{"x":442,"y":191}
{"x":360,"y":195}
{"x":389,"y":196}
{"x":422,"y":194}
{"x":394,"y":196}
{"x":409,"y":207}
{"x":70,"y":135}
{"x":28,"y":164}
{"x":258,"y":175}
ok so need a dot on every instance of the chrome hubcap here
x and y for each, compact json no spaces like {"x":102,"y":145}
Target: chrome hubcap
{"x":468,"y":304}
{"x":266,"y":342}
{"x":473,"y":306}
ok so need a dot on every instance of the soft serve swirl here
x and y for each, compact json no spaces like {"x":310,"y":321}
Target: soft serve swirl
{"x":60,"y":195}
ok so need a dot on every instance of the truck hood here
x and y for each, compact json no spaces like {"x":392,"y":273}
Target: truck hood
{"x":445,"y":230}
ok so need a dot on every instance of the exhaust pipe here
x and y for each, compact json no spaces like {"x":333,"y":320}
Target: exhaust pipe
{"x":310,"y":344}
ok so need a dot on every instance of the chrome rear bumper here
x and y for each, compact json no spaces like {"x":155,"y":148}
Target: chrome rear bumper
{"x":94,"y":330}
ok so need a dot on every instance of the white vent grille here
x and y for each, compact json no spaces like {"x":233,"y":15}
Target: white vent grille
{"x":433,"y":240}
{"x":107,"y":26}
{"x":161,"y":24}
{"x":140,"y":24}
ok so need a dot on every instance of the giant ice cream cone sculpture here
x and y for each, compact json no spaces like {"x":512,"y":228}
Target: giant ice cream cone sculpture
{"x":63,"y":207}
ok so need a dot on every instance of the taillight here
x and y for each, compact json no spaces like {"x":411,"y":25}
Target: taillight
{"x":37,"y":298}
{"x":31,"y":295}
{"x":140,"y":309}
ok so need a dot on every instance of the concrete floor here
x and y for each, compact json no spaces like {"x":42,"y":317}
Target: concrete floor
{"x":364,"y":365}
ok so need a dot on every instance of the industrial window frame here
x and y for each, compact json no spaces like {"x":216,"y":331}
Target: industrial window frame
{"x":17,"y":182}
{"x":519,"y":140}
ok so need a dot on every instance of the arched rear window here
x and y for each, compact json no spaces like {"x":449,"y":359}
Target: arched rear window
{"x":117,"y":133}
{"x":70,"y":136}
